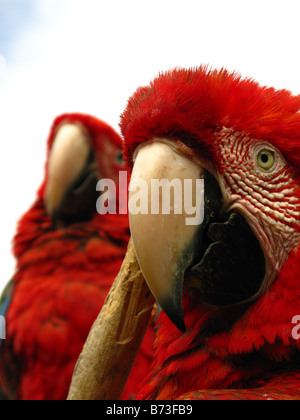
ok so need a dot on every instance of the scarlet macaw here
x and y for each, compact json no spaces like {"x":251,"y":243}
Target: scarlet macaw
{"x":68,"y":256}
{"x":230,"y":286}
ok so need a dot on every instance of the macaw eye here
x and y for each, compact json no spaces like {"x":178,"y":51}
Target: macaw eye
{"x":266,"y":159}
{"x":119,"y":158}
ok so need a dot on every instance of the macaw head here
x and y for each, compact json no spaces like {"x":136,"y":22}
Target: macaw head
{"x":243,"y":141}
{"x":81,"y":151}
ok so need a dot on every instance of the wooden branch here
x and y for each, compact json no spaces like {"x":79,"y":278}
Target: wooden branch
{"x":114,"y":341}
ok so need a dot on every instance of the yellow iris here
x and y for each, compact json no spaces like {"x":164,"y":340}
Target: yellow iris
{"x":266,"y":159}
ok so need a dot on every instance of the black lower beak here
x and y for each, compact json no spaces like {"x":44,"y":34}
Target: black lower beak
{"x":232,"y":268}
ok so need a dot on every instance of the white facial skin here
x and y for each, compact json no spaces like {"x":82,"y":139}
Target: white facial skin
{"x":257,"y":181}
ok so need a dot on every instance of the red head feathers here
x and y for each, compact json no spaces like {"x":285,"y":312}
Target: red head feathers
{"x":231,"y":285}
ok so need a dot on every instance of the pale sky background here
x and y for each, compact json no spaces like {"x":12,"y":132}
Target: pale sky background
{"x":90,"y":55}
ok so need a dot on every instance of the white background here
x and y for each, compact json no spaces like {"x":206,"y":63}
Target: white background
{"x":90,"y":55}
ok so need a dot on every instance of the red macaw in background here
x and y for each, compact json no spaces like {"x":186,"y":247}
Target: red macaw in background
{"x":68,"y":256}
{"x":230,"y":286}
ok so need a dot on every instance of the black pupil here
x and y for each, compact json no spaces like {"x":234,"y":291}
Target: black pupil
{"x":264,"y":158}
{"x":119,"y":157}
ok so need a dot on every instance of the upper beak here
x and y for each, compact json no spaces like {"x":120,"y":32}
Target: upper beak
{"x":68,"y":158}
{"x":166,"y":245}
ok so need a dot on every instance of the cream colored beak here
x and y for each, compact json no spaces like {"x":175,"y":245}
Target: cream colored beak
{"x":68,"y":157}
{"x":164,"y":243}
